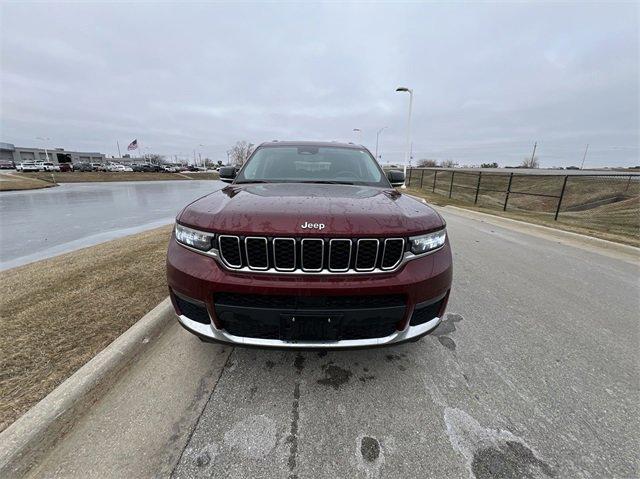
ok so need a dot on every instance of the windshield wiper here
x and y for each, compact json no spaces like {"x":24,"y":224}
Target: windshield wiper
{"x":251,"y":181}
{"x":328,"y":182}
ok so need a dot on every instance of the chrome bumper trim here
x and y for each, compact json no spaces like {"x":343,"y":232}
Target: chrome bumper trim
{"x":209,"y":331}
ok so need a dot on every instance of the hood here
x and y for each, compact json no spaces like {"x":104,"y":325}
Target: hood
{"x":282,"y":208}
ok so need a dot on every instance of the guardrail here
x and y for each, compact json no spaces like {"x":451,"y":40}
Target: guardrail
{"x":544,"y":193}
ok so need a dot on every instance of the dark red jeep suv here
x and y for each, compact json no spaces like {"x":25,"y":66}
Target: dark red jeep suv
{"x":310,"y":246}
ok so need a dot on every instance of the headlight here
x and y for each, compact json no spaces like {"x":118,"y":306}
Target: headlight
{"x":424,"y":243}
{"x":194,"y":238}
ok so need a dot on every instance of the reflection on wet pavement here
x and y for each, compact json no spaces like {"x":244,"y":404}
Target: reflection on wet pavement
{"x":38,"y":224}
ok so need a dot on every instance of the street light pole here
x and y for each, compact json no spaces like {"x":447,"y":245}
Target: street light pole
{"x":408,"y":145}
{"x":200,"y":154}
{"x":584,"y":157}
{"x":377,"y":138}
{"x":358,"y":133}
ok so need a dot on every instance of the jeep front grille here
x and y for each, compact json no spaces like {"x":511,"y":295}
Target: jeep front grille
{"x":230,"y":250}
{"x":311,"y":255}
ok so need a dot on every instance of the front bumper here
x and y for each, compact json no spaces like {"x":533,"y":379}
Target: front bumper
{"x":209,"y":332}
{"x":199,"y":278}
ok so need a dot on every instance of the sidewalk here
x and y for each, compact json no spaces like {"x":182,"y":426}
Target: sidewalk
{"x":139,"y":428}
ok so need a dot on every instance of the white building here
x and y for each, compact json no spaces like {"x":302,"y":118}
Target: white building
{"x":19,"y":154}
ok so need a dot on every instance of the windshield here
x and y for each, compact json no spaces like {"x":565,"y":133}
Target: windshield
{"x":313,"y":164}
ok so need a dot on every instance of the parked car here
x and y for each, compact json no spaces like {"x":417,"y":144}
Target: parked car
{"x":83,"y":167}
{"x":151,"y":168}
{"x":48,"y":166}
{"x":118,"y":167}
{"x":310,"y":247}
{"x":7,"y":165}
{"x":98,"y":167}
{"x":137,"y":167}
{"x":64,"y":167}
{"x":27,"y":166}
{"x":170,"y":169}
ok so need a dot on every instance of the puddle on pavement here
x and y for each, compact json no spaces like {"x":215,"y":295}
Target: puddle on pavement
{"x":492,"y":453}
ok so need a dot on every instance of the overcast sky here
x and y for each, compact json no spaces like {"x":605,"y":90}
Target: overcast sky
{"x":489,"y":79}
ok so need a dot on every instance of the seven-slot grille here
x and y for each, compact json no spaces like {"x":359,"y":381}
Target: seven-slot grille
{"x":311,"y":255}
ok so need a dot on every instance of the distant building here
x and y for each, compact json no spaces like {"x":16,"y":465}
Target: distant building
{"x":18,"y":154}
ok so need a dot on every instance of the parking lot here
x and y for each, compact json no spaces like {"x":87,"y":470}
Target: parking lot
{"x":37,"y":224}
{"x":533,"y":373}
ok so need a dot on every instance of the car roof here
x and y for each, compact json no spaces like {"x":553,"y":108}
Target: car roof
{"x":334,"y":144}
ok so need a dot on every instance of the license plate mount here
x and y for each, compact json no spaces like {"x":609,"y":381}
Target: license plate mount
{"x":310,"y":327}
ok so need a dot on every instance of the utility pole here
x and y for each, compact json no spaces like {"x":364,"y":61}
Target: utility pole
{"x":584,"y":156}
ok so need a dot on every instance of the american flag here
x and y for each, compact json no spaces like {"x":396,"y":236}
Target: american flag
{"x":133,"y":145}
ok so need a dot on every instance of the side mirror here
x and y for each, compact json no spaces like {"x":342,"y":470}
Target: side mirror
{"x":227,"y":173}
{"x":395,"y":177}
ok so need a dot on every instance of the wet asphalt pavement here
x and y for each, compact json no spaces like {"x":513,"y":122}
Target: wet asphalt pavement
{"x":533,"y":374}
{"x":37,"y":224}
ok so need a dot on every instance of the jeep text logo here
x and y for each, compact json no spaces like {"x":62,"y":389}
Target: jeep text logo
{"x":313,"y":226}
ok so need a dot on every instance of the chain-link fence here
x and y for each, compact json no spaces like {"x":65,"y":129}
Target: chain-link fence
{"x":610,"y":202}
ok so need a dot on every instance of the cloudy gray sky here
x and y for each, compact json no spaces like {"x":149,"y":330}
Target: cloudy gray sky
{"x":489,"y":79}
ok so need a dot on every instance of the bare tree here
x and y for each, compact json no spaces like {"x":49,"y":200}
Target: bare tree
{"x":240,"y":152}
{"x":427,"y":163}
{"x":448,"y":164}
{"x":531,"y":162}
{"x":154,"y":158}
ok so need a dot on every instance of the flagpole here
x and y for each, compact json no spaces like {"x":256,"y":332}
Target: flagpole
{"x":118,"y":143}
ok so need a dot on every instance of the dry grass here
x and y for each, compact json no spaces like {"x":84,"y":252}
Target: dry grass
{"x":13,"y":182}
{"x":91,"y":176}
{"x":619,"y":222}
{"x":44,"y":179}
{"x":208,"y":175}
{"x":59,"y":313}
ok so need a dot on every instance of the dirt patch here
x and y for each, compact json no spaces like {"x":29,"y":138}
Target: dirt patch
{"x":59,"y":313}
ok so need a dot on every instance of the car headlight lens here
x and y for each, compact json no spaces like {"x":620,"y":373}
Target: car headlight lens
{"x":194,"y":238}
{"x":425,"y":243}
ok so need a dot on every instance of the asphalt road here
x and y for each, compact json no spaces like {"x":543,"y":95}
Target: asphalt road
{"x":37,"y":224}
{"x":534,"y":373}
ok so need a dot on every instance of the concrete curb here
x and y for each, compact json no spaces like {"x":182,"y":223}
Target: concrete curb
{"x":588,"y":242}
{"x":26,"y":441}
